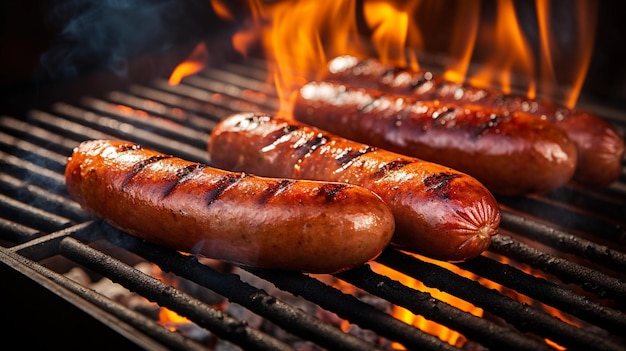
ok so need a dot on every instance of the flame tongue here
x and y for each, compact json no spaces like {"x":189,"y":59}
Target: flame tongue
{"x":516,"y":48}
{"x":193,"y":64}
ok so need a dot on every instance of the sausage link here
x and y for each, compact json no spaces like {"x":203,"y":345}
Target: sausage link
{"x":510,"y":153}
{"x":439,"y":212}
{"x":600,"y":145}
{"x":317,"y":227}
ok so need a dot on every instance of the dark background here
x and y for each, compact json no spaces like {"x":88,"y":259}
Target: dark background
{"x":61,"y":49}
{"x":47,"y":45}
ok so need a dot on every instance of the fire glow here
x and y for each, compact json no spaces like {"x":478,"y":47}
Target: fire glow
{"x":192,"y":65}
{"x":456,"y":38}
{"x":466,"y":43}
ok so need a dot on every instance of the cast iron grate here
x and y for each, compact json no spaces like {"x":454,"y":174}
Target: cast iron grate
{"x":564,"y":250}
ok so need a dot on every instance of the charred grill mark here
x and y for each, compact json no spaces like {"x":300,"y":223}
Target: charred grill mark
{"x":390,"y":167}
{"x":277,"y":136}
{"x":275,"y":189}
{"x":331,"y":191}
{"x":308,"y":147}
{"x":349,"y":156}
{"x":366,"y":106}
{"x":280,"y":136}
{"x":222,"y":185}
{"x":128,"y":147}
{"x":183,"y":175}
{"x":137,"y":167}
{"x":439,"y":184}
{"x":286,"y":130}
{"x":442,"y":116}
{"x":290,"y":129}
{"x":250,"y":121}
{"x":417,"y":82}
{"x":484,"y":127}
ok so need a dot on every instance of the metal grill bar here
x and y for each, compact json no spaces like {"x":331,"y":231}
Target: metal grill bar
{"x":565,"y":242}
{"x":127,"y":321}
{"x":221,"y":324}
{"x":500,"y":305}
{"x":488,"y":334}
{"x":41,"y":198}
{"x":564,"y":215}
{"x":256,"y":300}
{"x":350,"y":308}
{"x":35,"y":173}
{"x":547,"y":292}
{"x":604,"y":202}
{"x":35,"y":217}
{"x":569,"y":272}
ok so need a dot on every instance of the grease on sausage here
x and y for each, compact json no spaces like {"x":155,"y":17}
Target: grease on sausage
{"x":510,"y":153}
{"x":600,"y":145}
{"x":439,"y":212}
{"x":318,"y":227}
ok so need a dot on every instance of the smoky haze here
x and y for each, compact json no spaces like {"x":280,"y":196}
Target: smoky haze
{"x":106,"y":34}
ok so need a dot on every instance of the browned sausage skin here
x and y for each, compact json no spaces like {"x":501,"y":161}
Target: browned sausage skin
{"x":510,"y":153}
{"x":317,"y":227}
{"x":439,"y":212}
{"x":600,"y":144}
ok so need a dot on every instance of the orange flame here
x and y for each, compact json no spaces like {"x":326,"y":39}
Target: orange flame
{"x":444,"y":333}
{"x":511,"y":54}
{"x":168,"y":318}
{"x":512,"y":62}
{"x":300,"y":37}
{"x":576,"y":59}
{"x":192,"y":65}
{"x":393,"y":30}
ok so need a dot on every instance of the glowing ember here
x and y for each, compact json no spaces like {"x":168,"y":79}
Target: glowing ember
{"x":452,"y":337}
{"x":170,"y":319}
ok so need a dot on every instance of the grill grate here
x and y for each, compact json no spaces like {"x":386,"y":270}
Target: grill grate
{"x":561,"y":253}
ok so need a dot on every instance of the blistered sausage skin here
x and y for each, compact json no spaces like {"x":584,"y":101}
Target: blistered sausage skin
{"x":510,"y":153}
{"x":439,"y":212}
{"x":600,"y":145}
{"x":317,"y":227}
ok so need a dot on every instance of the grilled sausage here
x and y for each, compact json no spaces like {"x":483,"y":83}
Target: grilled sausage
{"x":318,"y":227}
{"x":439,"y":212}
{"x":600,"y":144}
{"x":510,"y":153}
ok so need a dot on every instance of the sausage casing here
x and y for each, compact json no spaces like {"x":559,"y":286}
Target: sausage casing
{"x":318,"y":227}
{"x":439,"y":212}
{"x":600,"y":145}
{"x":510,"y":153}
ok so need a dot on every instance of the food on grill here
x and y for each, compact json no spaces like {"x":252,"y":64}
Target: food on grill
{"x":317,"y":227}
{"x":439,"y":212}
{"x":600,"y":145}
{"x":510,"y":153}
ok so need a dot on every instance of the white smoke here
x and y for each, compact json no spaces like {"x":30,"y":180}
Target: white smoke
{"x":106,"y":34}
